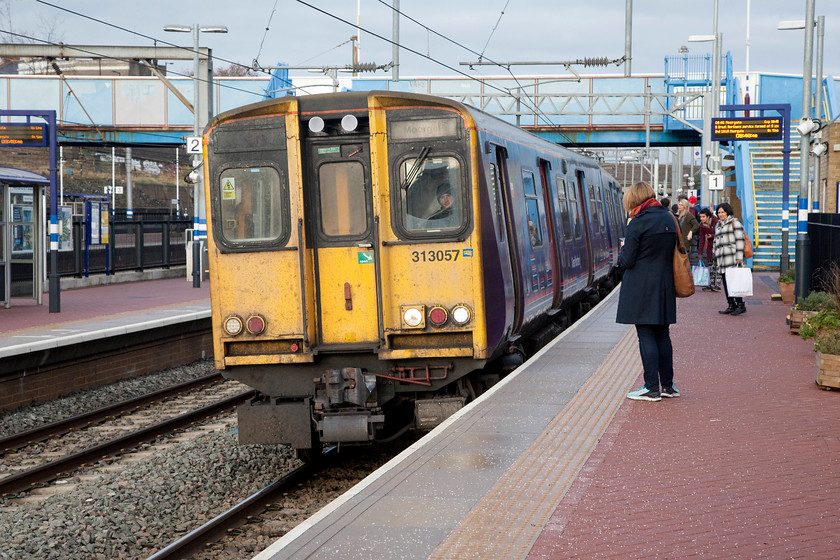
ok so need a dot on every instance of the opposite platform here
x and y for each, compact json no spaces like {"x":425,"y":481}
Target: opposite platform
{"x":93,"y":313}
{"x":102,"y":334}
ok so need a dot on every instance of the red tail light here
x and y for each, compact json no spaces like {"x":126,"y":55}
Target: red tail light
{"x":255,"y":324}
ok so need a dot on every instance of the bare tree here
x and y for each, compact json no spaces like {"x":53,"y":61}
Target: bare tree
{"x":236,"y":70}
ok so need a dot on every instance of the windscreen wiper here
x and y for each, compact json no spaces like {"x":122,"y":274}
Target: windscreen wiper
{"x":412,"y":174}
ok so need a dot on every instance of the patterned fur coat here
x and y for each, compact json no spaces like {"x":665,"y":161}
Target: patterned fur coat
{"x":729,"y":243}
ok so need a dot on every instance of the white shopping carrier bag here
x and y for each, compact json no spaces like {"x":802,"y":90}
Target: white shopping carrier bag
{"x":739,"y":282}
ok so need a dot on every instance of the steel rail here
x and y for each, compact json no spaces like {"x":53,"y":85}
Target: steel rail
{"x":16,"y":441}
{"x":49,"y":471}
{"x":256,"y":503}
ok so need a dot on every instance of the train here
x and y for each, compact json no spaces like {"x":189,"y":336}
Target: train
{"x":379,"y":258}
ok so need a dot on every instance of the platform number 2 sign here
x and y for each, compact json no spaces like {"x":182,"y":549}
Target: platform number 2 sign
{"x":194,"y":145}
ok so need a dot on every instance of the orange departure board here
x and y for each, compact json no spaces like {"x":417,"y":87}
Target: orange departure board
{"x":747,"y":128}
{"x":23,"y":134}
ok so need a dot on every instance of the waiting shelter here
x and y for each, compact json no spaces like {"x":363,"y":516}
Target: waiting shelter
{"x":23,"y":246}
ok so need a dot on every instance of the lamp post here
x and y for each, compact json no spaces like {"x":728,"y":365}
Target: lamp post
{"x":712,"y":107}
{"x":803,"y":243}
{"x":200,"y":115}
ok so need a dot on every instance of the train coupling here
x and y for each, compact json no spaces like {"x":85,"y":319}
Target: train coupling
{"x":346,"y":386}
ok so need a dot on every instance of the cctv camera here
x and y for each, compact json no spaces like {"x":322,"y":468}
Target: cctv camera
{"x":819,"y":149}
{"x":807,"y":126}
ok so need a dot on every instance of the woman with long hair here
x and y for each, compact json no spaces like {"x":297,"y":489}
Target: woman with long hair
{"x":729,"y":253}
{"x":648,"y":297}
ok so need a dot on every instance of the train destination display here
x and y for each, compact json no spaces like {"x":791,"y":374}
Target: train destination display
{"x":23,"y":134}
{"x":746,"y":128}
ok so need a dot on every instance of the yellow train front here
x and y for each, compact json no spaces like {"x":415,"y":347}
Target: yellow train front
{"x":348,"y":265}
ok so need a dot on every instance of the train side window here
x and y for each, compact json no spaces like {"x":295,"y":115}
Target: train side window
{"x":565,"y":219}
{"x":532,"y":208}
{"x":432,"y":197}
{"x":599,"y":201}
{"x":251,"y":204}
{"x":342,"y":196}
{"x":596,"y":214}
{"x":574,"y":209}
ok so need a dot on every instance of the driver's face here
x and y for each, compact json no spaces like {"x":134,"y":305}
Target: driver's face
{"x":445,"y":200}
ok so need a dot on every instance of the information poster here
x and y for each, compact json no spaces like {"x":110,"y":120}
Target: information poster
{"x":104,"y":230}
{"x":94,"y":224}
{"x":65,"y":228}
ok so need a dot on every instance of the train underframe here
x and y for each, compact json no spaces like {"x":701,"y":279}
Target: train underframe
{"x":359,"y":399}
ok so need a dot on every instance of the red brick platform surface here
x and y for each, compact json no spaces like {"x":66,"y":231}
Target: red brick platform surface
{"x":91,"y":304}
{"x":746,"y":464}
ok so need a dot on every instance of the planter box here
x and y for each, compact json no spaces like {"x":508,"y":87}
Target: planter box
{"x":828,"y":371}
{"x":797,"y":317}
{"x":786,"y":290}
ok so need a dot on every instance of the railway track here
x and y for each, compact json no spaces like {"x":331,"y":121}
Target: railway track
{"x":46,"y":472}
{"x":261,"y":518}
{"x":61,"y":427}
{"x":253,"y":505}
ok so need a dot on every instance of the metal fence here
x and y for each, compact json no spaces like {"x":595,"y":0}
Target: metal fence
{"x":155,"y":241}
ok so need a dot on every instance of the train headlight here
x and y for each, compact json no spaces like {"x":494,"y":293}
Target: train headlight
{"x":349,"y":123}
{"x":438,"y":316}
{"x":316,"y":124}
{"x":233,"y":325}
{"x":413,"y":316}
{"x":255,"y":324}
{"x":461,"y":314}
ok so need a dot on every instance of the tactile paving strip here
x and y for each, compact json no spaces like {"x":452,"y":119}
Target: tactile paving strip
{"x":508,"y":520}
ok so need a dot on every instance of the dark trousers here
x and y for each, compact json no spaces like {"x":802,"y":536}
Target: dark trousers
{"x":733,"y":301}
{"x":657,"y":355}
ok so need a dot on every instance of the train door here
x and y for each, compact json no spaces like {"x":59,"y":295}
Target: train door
{"x":550,"y":240}
{"x":503,"y":184}
{"x":586,"y":248}
{"x":339,"y":210}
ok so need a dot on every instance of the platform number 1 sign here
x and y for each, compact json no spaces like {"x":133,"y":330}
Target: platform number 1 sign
{"x":194,"y":145}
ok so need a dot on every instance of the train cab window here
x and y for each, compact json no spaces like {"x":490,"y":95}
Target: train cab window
{"x":532,"y":208}
{"x":432,"y":197}
{"x":342,"y":198}
{"x":565,"y":218}
{"x":251,"y":204}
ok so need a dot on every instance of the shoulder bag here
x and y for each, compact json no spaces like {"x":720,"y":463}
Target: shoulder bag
{"x":683,"y":279}
{"x":748,"y":248}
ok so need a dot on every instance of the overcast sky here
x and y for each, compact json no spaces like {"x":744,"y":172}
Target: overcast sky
{"x":528,"y":30}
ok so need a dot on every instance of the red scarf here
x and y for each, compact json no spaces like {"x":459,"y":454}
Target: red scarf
{"x":646,"y":204}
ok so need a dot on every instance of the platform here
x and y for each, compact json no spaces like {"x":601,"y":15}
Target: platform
{"x":556,"y":463}
{"x":124,"y":327}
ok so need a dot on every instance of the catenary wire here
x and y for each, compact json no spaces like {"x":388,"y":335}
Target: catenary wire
{"x":521,"y":88}
{"x":533,"y":105}
{"x":492,"y":31}
{"x":413,"y":51}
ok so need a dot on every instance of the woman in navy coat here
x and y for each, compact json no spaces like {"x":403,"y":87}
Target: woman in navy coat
{"x":648,"y":298}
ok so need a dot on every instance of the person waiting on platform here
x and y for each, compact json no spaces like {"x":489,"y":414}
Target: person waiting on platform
{"x":447,"y":215}
{"x":648,"y":297}
{"x":729,"y":253}
{"x":705,"y":244}
{"x":689,"y":226}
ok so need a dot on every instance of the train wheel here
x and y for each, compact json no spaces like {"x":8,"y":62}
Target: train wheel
{"x":311,"y":455}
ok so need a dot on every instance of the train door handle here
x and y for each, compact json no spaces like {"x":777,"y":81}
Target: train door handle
{"x":348,"y":300}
